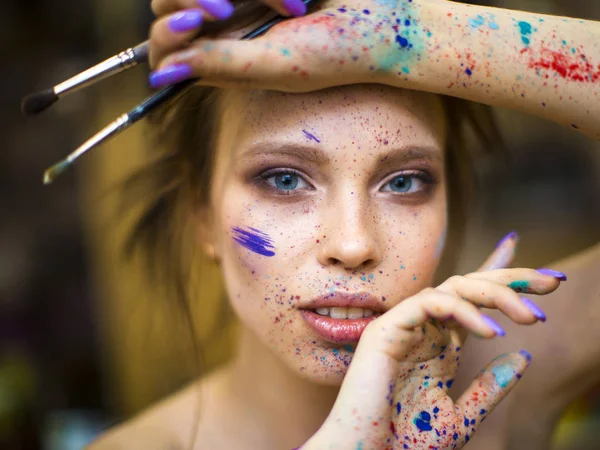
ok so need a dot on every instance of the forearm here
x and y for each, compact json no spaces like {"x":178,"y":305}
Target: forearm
{"x":544,"y":65}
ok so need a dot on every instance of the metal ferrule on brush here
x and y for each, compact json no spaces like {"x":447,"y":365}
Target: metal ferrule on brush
{"x":112,"y":66}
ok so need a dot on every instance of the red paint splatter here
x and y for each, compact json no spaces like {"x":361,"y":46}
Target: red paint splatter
{"x":246,"y":67}
{"x":572,"y":67}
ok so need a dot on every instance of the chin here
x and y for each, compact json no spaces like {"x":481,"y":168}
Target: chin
{"x":322,"y":365}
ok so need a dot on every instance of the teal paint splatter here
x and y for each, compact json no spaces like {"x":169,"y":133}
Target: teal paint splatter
{"x":526,"y":31}
{"x":476,"y":22}
{"x":359,"y":446}
{"x":408,"y":46}
{"x":286,"y":52}
{"x":503,"y":374}
{"x":519,"y":286}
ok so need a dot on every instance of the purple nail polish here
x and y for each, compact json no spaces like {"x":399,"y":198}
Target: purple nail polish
{"x":219,"y":9}
{"x":170,"y":75}
{"x":511,"y":235}
{"x":185,"y":20}
{"x":525,"y":354}
{"x":496,"y":328}
{"x":295,"y":7}
{"x":553,"y":273}
{"x":535,"y":309}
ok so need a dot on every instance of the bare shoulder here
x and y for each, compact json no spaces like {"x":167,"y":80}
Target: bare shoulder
{"x":167,"y":425}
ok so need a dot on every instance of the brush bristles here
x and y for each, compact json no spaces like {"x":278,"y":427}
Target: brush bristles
{"x":51,"y":173}
{"x":38,"y":102}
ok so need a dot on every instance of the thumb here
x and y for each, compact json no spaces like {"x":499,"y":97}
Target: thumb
{"x":503,"y":254}
{"x":489,"y":388}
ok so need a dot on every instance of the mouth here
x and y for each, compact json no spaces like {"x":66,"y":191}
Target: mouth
{"x":341,"y":318}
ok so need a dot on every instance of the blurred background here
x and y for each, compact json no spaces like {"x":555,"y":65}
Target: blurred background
{"x":84,"y":343}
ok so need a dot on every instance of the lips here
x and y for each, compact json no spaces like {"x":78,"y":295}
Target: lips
{"x":341,"y":331}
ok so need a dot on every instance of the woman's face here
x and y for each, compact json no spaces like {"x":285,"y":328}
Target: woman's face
{"x":333,"y":200}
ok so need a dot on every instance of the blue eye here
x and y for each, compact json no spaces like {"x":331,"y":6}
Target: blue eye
{"x":406,"y":183}
{"x":401,"y":184}
{"x":285,"y":180}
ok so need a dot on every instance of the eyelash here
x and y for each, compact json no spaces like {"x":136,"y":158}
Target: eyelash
{"x":261,"y":180}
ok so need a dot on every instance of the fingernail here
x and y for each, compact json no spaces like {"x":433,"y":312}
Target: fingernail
{"x":185,"y":20}
{"x":295,"y":7}
{"x":170,"y":75}
{"x":219,"y":9}
{"x":495,"y":326}
{"x":511,"y":235}
{"x":535,"y":309}
{"x":553,"y":273}
{"x":526,"y":355}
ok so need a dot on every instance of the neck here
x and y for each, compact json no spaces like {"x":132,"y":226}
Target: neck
{"x":289,"y":408}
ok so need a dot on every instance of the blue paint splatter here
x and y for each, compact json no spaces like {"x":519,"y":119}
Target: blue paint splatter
{"x":436,"y":410}
{"x":311,"y":136}
{"x":254,"y":240}
{"x":526,"y":31}
{"x":469,"y":72}
{"x":398,"y":408}
{"x":449,"y":383}
{"x":422,"y":421}
{"x":503,"y":374}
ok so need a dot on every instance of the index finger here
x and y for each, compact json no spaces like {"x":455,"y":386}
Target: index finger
{"x":502,"y":257}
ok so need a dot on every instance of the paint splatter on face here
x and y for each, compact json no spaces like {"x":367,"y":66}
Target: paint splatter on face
{"x":298,"y":218}
{"x":254,"y":240}
{"x":311,"y":136}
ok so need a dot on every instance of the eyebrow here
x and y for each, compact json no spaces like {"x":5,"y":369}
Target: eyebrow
{"x":298,"y":151}
{"x":315,"y":155}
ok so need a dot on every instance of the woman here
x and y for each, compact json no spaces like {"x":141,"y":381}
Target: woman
{"x":307,"y":220}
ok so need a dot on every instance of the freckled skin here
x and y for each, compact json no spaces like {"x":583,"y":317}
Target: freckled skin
{"x":343,"y":233}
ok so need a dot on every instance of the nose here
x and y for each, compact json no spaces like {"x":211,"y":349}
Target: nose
{"x":352,"y":241}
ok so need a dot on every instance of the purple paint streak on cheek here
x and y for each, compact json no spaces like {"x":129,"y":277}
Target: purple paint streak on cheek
{"x":254,"y":240}
{"x":312,"y":137}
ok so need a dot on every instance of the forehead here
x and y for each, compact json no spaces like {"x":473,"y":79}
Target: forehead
{"x":357,"y":117}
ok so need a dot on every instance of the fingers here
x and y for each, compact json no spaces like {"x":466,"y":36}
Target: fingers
{"x":233,"y":61}
{"x":503,"y":254}
{"x":540,"y":281}
{"x":399,"y":330}
{"x":488,"y":294}
{"x":488,"y":389}
{"x":173,"y":32}
{"x":214,"y":9}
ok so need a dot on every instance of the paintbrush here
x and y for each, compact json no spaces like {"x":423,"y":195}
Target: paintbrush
{"x":139,"y":112}
{"x":248,"y":10}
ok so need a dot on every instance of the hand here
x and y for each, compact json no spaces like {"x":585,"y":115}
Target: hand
{"x":394,"y":395}
{"x":333,"y":46}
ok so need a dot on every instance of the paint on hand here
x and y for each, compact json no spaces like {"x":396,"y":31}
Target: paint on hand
{"x":407,"y":46}
{"x":519,"y":286}
{"x":254,"y":240}
{"x":503,"y":374}
{"x":311,"y":136}
{"x":422,"y":421}
{"x":526,"y":31}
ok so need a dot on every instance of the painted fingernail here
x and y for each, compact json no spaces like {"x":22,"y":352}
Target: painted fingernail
{"x":553,"y":273}
{"x":295,"y":7}
{"x":535,"y":309}
{"x":219,"y":9}
{"x":185,"y":20}
{"x":511,"y":235}
{"x":170,"y":75}
{"x":495,"y":326}
{"x":525,"y":354}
